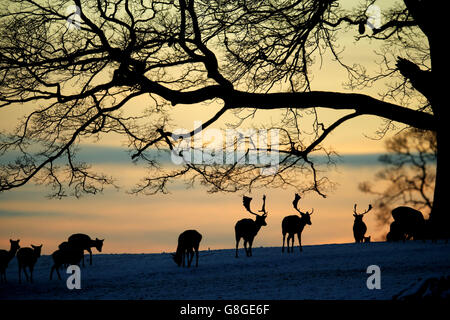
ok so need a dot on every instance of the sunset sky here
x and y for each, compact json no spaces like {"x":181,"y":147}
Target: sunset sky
{"x":143,"y":224}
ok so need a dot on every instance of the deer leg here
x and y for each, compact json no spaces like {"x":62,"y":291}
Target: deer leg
{"x":31,"y":273}
{"x":190,"y":256}
{"x":245,"y":247}
{"x":300,"y":241}
{"x":57,"y":272}
{"x":250,"y":246}
{"x":24,"y":268}
{"x":292,"y":242}
{"x":288,"y":242}
{"x":284,"y":236}
{"x":237,"y":245}
{"x":90,"y":256}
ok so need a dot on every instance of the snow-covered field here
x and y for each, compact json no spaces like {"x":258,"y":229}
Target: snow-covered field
{"x":335,"y":271}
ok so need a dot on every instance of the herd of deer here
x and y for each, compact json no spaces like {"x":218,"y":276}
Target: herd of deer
{"x":70,"y":252}
{"x":247,"y":229}
{"x":408,"y":224}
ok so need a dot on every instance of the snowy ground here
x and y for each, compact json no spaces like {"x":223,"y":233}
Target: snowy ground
{"x":320,"y":272}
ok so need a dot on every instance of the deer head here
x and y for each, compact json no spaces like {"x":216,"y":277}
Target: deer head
{"x":14,"y":245}
{"x":177,"y":259}
{"x":99,"y":244}
{"x":359,"y":216}
{"x":260,"y":219}
{"x":37,"y":250}
{"x":306,"y":216}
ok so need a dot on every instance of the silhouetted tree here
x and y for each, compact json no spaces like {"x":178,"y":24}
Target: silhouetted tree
{"x":78,"y":77}
{"x":408,"y":175}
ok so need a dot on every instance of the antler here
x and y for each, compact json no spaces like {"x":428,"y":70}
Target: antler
{"x":295,"y":203}
{"x":368,"y":209}
{"x":263,"y":209}
{"x":246,"y":202}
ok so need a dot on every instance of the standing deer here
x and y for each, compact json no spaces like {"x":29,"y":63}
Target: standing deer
{"x":188,"y":241}
{"x":6,"y":257}
{"x":248,"y":228}
{"x":68,"y":254}
{"x":359,"y":227}
{"x":27,"y":257}
{"x":86,"y":243}
{"x":294,"y":225}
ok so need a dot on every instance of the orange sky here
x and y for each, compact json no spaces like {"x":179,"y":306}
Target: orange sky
{"x":152,"y":224}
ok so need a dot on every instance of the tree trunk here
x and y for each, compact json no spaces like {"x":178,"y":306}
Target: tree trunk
{"x":440,"y":214}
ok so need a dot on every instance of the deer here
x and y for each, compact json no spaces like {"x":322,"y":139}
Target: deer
{"x":188,"y":242}
{"x":359,"y":227}
{"x":27,"y":257}
{"x":6,"y":257}
{"x":410,"y":223}
{"x":86,"y":243}
{"x":248,"y":228}
{"x":63,"y":245}
{"x":395,"y":232}
{"x":295,"y":224}
{"x":70,"y":254}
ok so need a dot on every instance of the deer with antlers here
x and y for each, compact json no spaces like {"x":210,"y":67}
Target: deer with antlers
{"x":359,"y":227}
{"x":295,"y":224}
{"x":248,"y":228}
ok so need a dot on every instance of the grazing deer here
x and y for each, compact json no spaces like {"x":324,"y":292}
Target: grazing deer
{"x":63,"y":245}
{"x":27,"y":257}
{"x":359,"y":227}
{"x":411,"y":223}
{"x":248,"y":228}
{"x":294,"y":225}
{"x":188,"y":241}
{"x":69,"y":255}
{"x":395,"y":232}
{"x":86,"y":243}
{"x":6,"y":257}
